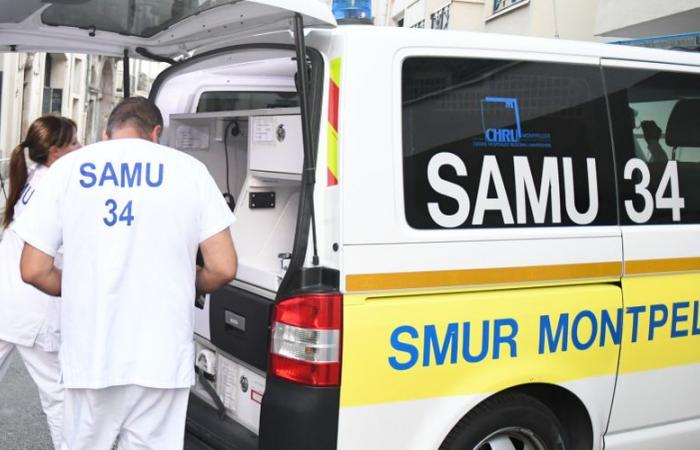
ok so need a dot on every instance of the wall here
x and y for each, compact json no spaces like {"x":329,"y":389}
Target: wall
{"x":564,"y":19}
{"x":463,"y":14}
{"x":632,"y":18}
{"x":467,"y":15}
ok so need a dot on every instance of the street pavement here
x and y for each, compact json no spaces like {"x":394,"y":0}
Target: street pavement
{"x":22,"y":422}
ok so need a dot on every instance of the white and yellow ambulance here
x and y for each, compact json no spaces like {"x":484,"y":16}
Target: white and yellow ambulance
{"x":447,"y":240}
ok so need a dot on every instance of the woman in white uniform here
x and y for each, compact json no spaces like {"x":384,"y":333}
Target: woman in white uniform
{"x":29,"y":319}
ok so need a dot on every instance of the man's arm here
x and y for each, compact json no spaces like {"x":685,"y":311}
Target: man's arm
{"x":220,"y":262}
{"x":37,"y":269}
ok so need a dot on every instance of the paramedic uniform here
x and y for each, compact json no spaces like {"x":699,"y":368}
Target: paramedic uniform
{"x":29,"y":319}
{"x":130,"y":215}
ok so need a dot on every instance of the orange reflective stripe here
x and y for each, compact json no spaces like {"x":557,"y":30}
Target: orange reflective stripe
{"x":448,"y":278}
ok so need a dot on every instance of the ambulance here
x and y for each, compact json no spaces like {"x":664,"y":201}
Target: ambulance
{"x":447,"y":240}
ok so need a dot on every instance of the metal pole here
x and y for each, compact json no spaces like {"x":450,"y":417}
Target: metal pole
{"x":309,"y":169}
{"x":126,"y":75}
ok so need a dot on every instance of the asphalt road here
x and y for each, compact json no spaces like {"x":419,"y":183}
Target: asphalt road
{"x":22,"y":422}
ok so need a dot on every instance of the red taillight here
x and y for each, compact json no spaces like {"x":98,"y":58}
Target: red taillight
{"x":306,"y":339}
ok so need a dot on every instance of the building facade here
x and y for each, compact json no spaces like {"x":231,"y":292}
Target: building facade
{"x":652,"y":18}
{"x":82,"y":87}
{"x":565,"y":19}
{"x":568,"y":19}
{"x":592,"y":20}
{"x":435,"y":14}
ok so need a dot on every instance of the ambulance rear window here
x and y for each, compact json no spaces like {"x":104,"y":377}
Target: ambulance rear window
{"x":499,"y":143}
{"x":143,"y":18}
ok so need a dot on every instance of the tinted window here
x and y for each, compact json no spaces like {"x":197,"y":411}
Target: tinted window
{"x":493,"y":143}
{"x":656,"y":130}
{"x":231,"y":101}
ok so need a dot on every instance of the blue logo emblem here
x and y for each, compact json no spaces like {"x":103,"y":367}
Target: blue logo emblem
{"x":499,"y":110}
{"x":500,"y":121}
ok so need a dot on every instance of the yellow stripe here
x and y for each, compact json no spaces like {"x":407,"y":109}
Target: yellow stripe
{"x":638,"y":351}
{"x":369,"y":378}
{"x":335,"y":71}
{"x":445,"y":278}
{"x":332,"y":151}
{"x":661,"y":265}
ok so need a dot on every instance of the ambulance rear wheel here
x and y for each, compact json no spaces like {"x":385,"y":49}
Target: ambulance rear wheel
{"x":511,"y":421}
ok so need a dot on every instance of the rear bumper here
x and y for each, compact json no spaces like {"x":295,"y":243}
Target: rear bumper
{"x":221,"y":434}
{"x":298,"y":417}
{"x":294,"y":417}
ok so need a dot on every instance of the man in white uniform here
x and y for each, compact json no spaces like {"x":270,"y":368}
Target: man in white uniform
{"x":130,"y":215}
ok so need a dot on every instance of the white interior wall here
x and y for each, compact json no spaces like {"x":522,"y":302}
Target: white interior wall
{"x":260,"y":234}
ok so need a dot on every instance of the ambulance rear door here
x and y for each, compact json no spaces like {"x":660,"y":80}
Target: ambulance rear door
{"x":169,"y":28}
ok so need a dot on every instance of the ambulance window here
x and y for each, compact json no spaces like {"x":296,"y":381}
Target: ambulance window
{"x":232,"y":100}
{"x":656,"y":131}
{"x":495,"y":143}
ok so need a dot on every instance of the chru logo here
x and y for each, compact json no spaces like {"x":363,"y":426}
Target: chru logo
{"x":500,"y":121}
{"x":497,"y":111}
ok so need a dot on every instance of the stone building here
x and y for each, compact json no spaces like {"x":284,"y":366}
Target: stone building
{"x":590,"y":20}
{"x":82,"y":87}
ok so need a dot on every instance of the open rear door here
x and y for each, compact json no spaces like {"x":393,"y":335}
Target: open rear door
{"x":163,"y":27}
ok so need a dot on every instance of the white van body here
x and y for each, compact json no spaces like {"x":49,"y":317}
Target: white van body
{"x":472,"y":226}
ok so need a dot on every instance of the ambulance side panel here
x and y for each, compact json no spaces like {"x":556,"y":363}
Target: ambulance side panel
{"x":424,"y":364}
{"x":655,"y":402}
{"x":438,"y":318}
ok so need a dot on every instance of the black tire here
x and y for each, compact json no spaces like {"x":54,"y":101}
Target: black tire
{"x":521,"y":419}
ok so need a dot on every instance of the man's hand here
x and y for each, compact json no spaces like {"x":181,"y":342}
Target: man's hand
{"x":220,"y":262}
{"x":37,"y":269}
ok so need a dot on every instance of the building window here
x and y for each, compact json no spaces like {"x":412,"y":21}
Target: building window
{"x":440,"y":18}
{"x":47,"y":71}
{"x":420,"y":24}
{"x":54,"y":73}
{"x":52,"y":101}
{"x":499,"y":5}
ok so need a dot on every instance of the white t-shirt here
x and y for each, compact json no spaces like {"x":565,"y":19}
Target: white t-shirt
{"x":27,"y":316}
{"x":130,"y":215}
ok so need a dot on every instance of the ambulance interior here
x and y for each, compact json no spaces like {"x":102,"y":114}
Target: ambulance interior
{"x":239,"y":114}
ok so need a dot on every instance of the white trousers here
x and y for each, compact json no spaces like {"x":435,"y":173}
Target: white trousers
{"x":45,"y":370}
{"x":142,"y":418}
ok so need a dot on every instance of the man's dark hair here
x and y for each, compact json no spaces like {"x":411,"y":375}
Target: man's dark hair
{"x":135,"y":112}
